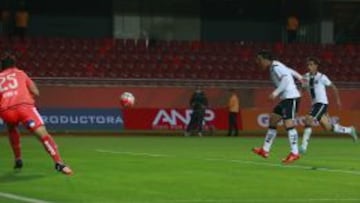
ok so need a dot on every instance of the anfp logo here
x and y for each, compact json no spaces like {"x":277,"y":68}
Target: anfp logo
{"x":176,"y":117}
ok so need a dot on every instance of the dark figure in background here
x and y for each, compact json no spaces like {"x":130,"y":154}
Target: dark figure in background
{"x":292,"y":28}
{"x":198,"y":104}
{"x":234,"y":108}
{"x":6,"y":22}
{"x":21,"y":21}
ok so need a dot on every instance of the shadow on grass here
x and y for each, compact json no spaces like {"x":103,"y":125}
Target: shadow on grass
{"x":14,"y":176}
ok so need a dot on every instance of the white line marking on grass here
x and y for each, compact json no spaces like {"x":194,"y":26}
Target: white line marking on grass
{"x":352,"y":172}
{"x":267,"y":200}
{"x":133,"y":153}
{"x":21,"y":198}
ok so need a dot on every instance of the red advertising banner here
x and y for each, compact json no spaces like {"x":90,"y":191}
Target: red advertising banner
{"x":172,"y":118}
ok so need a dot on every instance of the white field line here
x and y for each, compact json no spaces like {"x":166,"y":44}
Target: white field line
{"x":290,"y":166}
{"x":21,"y":198}
{"x":133,"y":153}
{"x":352,"y":172}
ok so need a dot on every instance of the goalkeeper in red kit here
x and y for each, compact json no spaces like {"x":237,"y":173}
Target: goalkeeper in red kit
{"x":17,"y":105}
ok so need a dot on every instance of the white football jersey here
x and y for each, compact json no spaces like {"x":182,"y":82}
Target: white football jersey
{"x":317,"y":87}
{"x":277,"y":71}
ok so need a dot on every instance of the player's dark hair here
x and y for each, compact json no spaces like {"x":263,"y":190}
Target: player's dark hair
{"x":266,"y":55}
{"x":7,"y":59}
{"x":314,"y":59}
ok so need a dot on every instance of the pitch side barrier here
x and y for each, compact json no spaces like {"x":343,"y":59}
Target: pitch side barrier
{"x":167,"y":121}
{"x":93,"y":81}
{"x":94,"y":108}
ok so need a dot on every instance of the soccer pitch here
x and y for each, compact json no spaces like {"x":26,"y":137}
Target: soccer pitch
{"x":181,"y":170}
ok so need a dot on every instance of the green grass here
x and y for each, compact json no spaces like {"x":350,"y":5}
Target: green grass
{"x":182,"y":169}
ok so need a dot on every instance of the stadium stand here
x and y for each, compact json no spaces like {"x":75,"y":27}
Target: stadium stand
{"x":129,"y":58}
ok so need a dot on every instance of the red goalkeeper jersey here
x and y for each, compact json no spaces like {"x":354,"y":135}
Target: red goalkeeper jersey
{"x":14,"y":88}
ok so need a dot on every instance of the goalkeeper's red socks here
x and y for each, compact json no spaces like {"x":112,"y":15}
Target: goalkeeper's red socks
{"x":51,"y":148}
{"x":53,"y":151}
{"x":14,"y":138}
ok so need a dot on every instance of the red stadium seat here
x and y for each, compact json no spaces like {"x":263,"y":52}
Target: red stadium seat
{"x":129,"y":58}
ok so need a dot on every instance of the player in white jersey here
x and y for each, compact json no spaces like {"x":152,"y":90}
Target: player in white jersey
{"x":283,"y":79}
{"x":316,"y":83}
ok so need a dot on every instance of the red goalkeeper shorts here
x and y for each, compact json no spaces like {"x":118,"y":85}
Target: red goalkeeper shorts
{"x":25,"y":114}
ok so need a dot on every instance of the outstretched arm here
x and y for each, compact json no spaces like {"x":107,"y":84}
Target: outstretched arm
{"x":285,"y":80}
{"x":297,"y":75}
{"x":30,"y":84}
{"x":34,"y":89}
